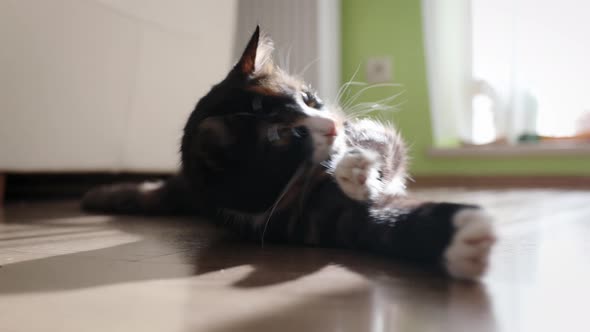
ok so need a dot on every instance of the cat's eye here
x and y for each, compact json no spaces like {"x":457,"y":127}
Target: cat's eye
{"x":300,"y":131}
{"x":311,"y":100}
{"x":277,"y":133}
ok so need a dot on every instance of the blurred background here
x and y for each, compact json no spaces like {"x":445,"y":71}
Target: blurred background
{"x":495,"y":89}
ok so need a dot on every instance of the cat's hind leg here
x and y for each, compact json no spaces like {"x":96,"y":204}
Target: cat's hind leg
{"x":172,"y":196}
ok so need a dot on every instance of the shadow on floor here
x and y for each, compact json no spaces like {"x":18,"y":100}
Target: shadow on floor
{"x":170,"y":248}
{"x":180,"y":247}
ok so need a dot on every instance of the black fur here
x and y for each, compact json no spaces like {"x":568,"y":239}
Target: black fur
{"x":230,"y":165}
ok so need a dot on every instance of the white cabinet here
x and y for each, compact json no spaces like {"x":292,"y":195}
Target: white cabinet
{"x":105,"y":85}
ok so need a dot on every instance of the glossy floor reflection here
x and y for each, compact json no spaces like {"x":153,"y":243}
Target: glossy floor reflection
{"x":66,"y":271}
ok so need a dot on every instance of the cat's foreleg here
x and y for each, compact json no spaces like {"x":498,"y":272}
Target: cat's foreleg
{"x":368,"y":160}
{"x":357,"y":174}
{"x":467,"y":256}
{"x":458,"y":236}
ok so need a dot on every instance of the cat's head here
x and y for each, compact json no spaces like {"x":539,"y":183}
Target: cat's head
{"x":252,"y":130}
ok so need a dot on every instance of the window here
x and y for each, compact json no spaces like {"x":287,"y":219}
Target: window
{"x":525,"y":67}
{"x":535,"y":55}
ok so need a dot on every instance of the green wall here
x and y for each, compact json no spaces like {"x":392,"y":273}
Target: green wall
{"x":394,"y":28}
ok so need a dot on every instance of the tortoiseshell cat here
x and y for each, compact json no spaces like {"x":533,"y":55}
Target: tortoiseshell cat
{"x":264,"y":150}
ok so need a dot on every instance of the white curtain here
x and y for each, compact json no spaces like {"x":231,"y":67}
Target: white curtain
{"x":500,"y":69}
{"x":448,"y":55}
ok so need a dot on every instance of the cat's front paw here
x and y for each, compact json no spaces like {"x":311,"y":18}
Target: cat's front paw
{"x":357,"y":174}
{"x":468,"y":254}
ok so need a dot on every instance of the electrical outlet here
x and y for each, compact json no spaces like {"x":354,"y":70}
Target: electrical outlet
{"x":379,"y":69}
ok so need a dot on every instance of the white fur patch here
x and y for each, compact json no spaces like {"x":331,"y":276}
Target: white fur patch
{"x":321,"y":128}
{"x":397,"y":186}
{"x":150,"y":186}
{"x":468,"y":254}
{"x":357,"y":174}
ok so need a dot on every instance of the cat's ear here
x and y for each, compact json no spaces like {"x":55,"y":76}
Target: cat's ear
{"x":256,"y":55}
{"x":247,"y":63}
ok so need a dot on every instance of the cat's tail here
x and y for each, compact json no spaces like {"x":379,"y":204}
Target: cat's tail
{"x":172,"y":196}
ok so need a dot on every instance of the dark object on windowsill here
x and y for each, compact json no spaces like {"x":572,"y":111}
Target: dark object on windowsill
{"x":529,"y":138}
{"x":534,"y":138}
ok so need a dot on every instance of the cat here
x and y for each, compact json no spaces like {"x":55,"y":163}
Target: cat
{"x":263,"y":154}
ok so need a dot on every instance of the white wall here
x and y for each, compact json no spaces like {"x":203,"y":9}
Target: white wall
{"x":106,"y":84}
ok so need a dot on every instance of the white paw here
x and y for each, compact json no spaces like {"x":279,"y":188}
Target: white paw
{"x":357,"y":174}
{"x":468,"y":254}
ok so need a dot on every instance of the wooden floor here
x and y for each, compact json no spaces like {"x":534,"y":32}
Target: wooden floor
{"x":66,"y":271}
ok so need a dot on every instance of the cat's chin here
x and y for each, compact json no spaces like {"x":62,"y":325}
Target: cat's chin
{"x":323,"y":147}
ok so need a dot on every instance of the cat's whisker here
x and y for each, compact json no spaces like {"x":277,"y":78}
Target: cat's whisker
{"x":288,"y":59}
{"x":344,"y":87}
{"x":369,"y":107}
{"x":306,"y":68}
{"x":347,"y":84}
{"x":279,"y":58}
{"x":304,"y":192}
{"x":292,"y":181}
{"x":284,"y":57}
{"x":364,"y":110}
{"x":384,"y":101}
{"x":363,"y":90}
{"x":381,"y":118}
{"x":378,"y":106}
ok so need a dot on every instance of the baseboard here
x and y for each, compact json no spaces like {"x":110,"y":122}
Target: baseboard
{"x":48,"y":186}
{"x":501,"y":181}
{"x":40,"y":186}
{"x":2,"y":188}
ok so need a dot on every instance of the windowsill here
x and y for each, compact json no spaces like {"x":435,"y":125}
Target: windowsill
{"x":544,"y":149}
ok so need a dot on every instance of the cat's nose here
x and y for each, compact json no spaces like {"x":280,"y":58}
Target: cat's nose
{"x":326,"y":126}
{"x":331,"y":129}
{"x":321,"y":126}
